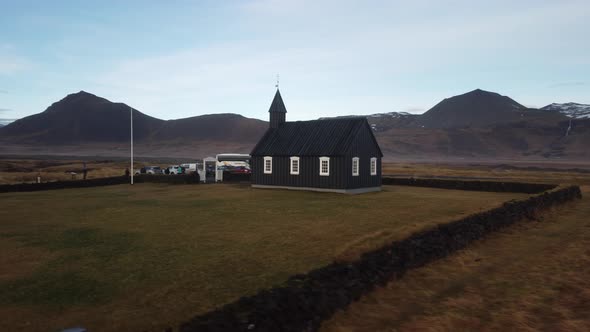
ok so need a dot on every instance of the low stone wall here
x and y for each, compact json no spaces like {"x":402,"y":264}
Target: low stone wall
{"x":192,"y":178}
{"x":228,"y":177}
{"x":495,"y":186}
{"x":304,"y":301}
{"x":172,"y":179}
{"x":63,"y":184}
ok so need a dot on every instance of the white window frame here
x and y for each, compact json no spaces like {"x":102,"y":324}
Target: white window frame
{"x":294,"y":159}
{"x":355,"y":166}
{"x":373,"y":166}
{"x":269,"y":170}
{"x":326,"y":159}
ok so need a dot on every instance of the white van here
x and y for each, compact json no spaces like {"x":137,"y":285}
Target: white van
{"x":189,"y":168}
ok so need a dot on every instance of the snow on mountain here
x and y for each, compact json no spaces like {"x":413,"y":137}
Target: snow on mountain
{"x":394,"y":115}
{"x":390,"y":115}
{"x":572,"y":110}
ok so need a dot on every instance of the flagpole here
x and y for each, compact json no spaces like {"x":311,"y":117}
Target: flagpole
{"x":132,"y":170}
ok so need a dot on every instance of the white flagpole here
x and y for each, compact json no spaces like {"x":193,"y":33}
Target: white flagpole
{"x":132,"y":170}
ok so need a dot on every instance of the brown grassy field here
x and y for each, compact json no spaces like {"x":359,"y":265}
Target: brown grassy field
{"x":14,"y":170}
{"x":148,"y":256}
{"x":530,"y":277}
{"x":559,"y":174}
{"x":27,"y":170}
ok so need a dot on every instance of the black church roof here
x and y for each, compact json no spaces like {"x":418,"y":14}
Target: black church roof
{"x":326,"y":137}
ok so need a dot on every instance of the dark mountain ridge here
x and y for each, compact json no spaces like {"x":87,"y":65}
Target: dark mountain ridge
{"x":85,"y":118}
{"x":480,"y":108}
{"x":478,"y":123}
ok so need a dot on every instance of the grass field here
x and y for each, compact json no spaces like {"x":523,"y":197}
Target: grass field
{"x":558,"y":174}
{"x":124,"y":258}
{"x":27,"y":170}
{"x":530,"y":277}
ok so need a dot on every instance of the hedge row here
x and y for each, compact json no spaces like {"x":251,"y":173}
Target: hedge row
{"x":515,"y":187}
{"x":304,"y":301}
{"x":172,"y":179}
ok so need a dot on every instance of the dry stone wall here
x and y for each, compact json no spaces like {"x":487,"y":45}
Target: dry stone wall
{"x":305,"y":300}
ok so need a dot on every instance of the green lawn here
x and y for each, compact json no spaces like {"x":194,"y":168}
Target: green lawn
{"x":148,"y":256}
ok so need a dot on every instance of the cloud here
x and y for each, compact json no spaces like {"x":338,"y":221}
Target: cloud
{"x":11,"y":64}
{"x":184,"y":81}
{"x":5,"y":110}
{"x":3,"y":91}
{"x":342,"y":58}
{"x":566,"y":84}
{"x":6,"y":121}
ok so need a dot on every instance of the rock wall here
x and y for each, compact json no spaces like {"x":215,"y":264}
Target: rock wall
{"x":172,"y":179}
{"x":305,"y":300}
{"x":495,"y":186}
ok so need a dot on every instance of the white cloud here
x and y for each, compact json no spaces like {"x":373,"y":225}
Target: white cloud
{"x":10,"y":63}
{"x":341,"y":57}
{"x":13,"y":64}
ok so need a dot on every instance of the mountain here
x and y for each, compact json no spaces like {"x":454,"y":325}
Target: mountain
{"x":385,"y":121}
{"x":571,"y":110}
{"x":85,"y":118}
{"x":213,"y":127}
{"x":478,"y":124}
{"x":480,"y":108}
{"x":80,"y":117}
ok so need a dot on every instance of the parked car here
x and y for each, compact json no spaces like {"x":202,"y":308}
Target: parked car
{"x":237,"y":170}
{"x":174,"y":170}
{"x":153,"y":170}
{"x":190,"y":167}
{"x":149,"y":170}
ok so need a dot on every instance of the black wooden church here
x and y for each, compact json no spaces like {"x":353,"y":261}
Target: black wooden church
{"x":336,"y":155}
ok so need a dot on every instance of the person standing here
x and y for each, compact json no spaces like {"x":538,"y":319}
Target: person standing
{"x":84,"y":170}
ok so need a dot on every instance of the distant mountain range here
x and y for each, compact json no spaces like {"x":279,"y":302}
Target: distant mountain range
{"x":85,"y":118}
{"x":571,"y":110}
{"x":475,"y":124}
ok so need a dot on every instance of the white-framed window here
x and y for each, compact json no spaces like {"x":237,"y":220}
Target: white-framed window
{"x":294,"y":165}
{"x":267,"y":165}
{"x":324,"y":166}
{"x":355,"y":166}
{"x":373,"y":166}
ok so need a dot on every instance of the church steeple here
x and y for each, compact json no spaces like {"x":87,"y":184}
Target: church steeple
{"x":277,"y":111}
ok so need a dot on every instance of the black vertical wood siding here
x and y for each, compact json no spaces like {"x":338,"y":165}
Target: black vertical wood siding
{"x":364,"y":147}
{"x":309,"y":172}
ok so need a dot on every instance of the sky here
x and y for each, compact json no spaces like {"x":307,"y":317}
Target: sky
{"x":175,"y":59}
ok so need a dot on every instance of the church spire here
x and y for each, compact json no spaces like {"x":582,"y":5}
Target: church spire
{"x":277,"y":110}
